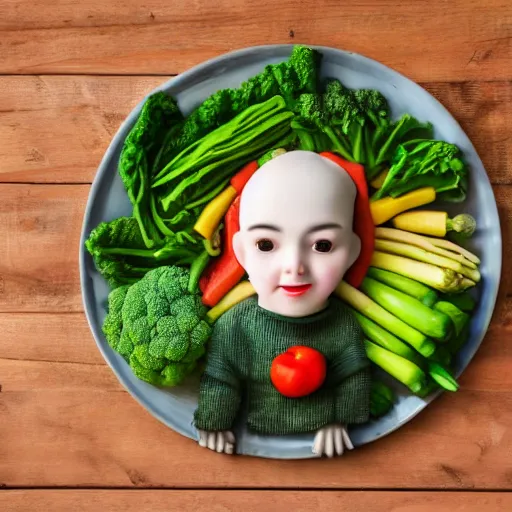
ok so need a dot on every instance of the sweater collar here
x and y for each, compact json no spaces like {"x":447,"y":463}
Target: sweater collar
{"x":309,"y":319}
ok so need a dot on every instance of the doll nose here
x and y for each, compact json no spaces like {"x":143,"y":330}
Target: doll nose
{"x":293,"y":264}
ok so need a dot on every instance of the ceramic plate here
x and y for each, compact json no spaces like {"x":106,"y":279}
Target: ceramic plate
{"x":107,"y":200}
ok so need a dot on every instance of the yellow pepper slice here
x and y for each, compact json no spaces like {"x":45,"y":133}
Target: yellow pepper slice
{"x":214,"y":211}
{"x":387,"y":207}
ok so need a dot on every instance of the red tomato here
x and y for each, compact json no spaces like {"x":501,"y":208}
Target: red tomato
{"x":298,"y":372}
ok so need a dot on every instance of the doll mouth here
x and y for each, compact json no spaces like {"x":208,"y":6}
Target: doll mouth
{"x":294,"y":291}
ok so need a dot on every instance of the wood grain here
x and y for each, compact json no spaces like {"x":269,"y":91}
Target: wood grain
{"x":40,"y":241}
{"x":55,"y":129}
{"x":66,"y":421}
{"x":251,"y":501}
{"x":41,"y":227}
{"x":460,"y":40}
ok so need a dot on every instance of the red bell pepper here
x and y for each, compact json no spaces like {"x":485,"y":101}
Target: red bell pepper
{"x":363,"y":221}
{"x":239,"y":180}
{"x":223,"y":272}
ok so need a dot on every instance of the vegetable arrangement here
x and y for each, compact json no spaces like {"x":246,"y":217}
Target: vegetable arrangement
{"x":171,"y":264}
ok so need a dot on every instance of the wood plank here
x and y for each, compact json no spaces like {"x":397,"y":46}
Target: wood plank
{"x":269,"y":501}
{"x":56,"y":129}
{"x":41,"y":230}
{"x":66,"y":421}
{"x":166,"y":38}
{"x":67,"y":338}
{"x":41,"y":227}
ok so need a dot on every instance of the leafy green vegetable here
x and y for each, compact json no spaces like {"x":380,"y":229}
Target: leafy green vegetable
{"x":159,"y":114}
{"x":121,"y":256}
{"x":158,"y":326}
{"x":199,"y":168}
{"x":289,"y":79}
{"x":422,"y":163}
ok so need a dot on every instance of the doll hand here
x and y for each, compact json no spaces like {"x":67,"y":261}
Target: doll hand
{"x":332,"y":440}
{"x":221,"y":442}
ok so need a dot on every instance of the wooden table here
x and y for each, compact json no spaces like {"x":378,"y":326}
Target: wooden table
{"x":70,"y":437}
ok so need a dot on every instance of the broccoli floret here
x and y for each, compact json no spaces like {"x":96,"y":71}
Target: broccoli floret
{"x":306,"y":63}
{"x":158,"y":326}
{"x":374,"y":106}
{"x":310,"y":108}
{"x":314,"y":128}
{"x":114,"y":320}
{"x":341,"y":106}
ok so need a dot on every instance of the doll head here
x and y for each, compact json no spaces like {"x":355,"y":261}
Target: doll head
{"x":296,"y":238}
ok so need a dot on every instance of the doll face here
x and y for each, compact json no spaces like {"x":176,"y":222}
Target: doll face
{"x":296,"y":240}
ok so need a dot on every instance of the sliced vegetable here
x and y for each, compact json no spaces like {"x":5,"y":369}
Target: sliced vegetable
{"x":240,"y":179}
{"x":212,"y":214}
{"x":382,"y":399}
{"x":442,"y":355}
{"x":385,"y":339}
{"x":446,"y":244}
{"x":379,"y":179}
{"x":459,"y":318}
{"x":369,"y":308}
{"x":443,"y":377}
{"x":212,"y":245}
{"x":224,"y":272}
{"x":240,"y":292}
{"x":435,"y":245}
{"x":432,"y":323}
{"x":435,"y":223}
{"x":430,"y":387}
{"x":387,"y":207}
{"x":442,"y":279}
{"x":457,"y":342}
{"x":269,"y":155}
{"x":416,"y":253}
{"x":462,"y":300}
{"x":423,"y":293}
{"x":196,"y":269}
{"x":398,"y":367}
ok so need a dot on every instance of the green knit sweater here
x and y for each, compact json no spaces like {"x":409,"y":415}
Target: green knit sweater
{"x":244,"y":343}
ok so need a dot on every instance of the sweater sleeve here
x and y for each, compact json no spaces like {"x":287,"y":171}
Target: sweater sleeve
{"x":353,"y":376}
{"x":220,"y":389}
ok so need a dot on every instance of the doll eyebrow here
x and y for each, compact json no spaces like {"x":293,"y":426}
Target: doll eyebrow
{"x":321,"y":227}
{"x":264,"y":226}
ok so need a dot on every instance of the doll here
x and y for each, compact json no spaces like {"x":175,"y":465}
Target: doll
{"x":296,"y":242}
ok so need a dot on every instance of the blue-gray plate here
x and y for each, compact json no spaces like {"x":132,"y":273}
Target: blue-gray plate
{"x":108,"y":200}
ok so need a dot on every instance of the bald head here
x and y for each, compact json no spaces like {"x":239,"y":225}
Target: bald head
{"x":296,"y":184}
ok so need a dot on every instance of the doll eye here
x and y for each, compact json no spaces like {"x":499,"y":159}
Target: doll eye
{"x":265,"y":245}
{"x":322,"y":246}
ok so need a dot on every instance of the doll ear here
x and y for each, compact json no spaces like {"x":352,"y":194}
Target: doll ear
{"x":238,"y":247}
{"x":355,"y":249}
